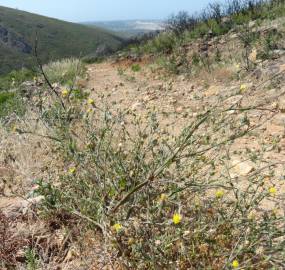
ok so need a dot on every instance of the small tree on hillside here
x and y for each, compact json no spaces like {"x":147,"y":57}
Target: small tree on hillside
{"x":216,"y":11}
{"x":180,"y":22}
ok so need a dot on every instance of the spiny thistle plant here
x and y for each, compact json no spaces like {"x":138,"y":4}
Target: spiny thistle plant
{"x":163,"y":202}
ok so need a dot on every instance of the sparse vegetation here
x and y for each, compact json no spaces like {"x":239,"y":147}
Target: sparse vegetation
{"x":215,"y":21}
{"x":11,"y":102}
{"x":136,"y":68}
{"x":31,"y":260}
{"x":208,"y":195}
{"x":160,"y":201}
{"x":15,"y":78}
{"x":132,"y":192}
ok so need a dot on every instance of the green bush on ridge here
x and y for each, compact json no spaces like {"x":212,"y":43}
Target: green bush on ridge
{"x":232,"y":14}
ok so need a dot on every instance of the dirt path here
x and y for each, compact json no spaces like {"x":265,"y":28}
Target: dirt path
{"x":173,"y":100}
{"x":177,"y":100}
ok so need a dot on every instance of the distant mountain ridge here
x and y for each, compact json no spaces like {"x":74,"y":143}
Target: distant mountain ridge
{"x":57,"y":39}
{"x":130,"y":27}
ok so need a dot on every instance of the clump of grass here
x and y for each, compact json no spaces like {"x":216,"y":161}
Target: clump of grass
{"x":11,"y":102}
{"x":64,"y":71}
{"x":31,"y":259}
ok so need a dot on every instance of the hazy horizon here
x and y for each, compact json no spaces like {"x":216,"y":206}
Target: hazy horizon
{"x":108,"y":10}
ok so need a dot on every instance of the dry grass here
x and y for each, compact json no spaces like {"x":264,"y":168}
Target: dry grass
{"x":64,"y":71}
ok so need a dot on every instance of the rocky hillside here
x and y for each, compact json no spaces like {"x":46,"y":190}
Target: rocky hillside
{"x":168,"y":155}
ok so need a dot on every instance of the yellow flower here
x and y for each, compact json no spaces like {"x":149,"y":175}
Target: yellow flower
{"x":272,"y":190}
{"x":64,"y":93}
{"x":72,"y":170}
{"x":219,"y":194}
{"x":176,"y":218}
{"x":131,"y":241}
{"x":120,"y":145}
{"x":243,"y":87}
{"x":117,"y":227}
{"x":235,"y":264}
{"x":14,"y":129}
{"x":238,"y":66}
{"x":90,"y":101}
{"x":163,"y":197}
{"x":89,"y":110}
{"x":275,"y":211}
{"x":251,"y":216}
{"x":197,"y":202}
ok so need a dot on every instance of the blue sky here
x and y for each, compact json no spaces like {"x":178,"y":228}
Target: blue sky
{"x":98,"y":10}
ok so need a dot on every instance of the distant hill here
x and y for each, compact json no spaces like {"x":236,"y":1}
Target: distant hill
{"x":130,"y":27}
{"x":57,"y":39}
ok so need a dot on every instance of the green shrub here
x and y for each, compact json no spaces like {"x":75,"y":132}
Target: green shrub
{"x":163,"y":202}
{"x":218,"y":28}
{"x":169,"y":64}
{"x":163,"y":43}
{"x":270,"y":42}
{"x":15,"y":78}
{"x":154,"y":204}
{"x":199,"y":31}
{"x":136,"y":68}
{"x":11,"y":102}
{"x":31,"y":259}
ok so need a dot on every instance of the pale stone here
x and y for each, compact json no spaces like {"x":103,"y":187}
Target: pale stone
{"x":279,"y":120}
{"x":212,"y":91}
{"x":251,"y":24}
{"x":179,"y":109}
{"x":253,"y":55}
{"x":234,"y":99}
{"x":14,"y":207}
{"x":282,"y":68}
{"x":71,"y":255}
{"x":281,"y":104}
{"x":138,"y":106}
{"x":241,"y":168}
